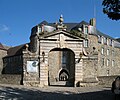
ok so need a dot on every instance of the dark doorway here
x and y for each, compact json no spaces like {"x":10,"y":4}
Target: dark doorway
{"x":63,"y":75}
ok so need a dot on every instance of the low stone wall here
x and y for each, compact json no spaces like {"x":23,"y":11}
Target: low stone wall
{"x":106,"y":80}
{"x":10,"y":79}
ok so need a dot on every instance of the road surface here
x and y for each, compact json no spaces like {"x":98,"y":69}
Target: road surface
{"x":14,"y":92}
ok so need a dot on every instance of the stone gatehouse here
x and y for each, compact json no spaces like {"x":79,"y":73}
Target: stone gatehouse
{"x":58,"y":57}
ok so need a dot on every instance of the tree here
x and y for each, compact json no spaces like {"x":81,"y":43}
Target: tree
{"x":112,"y":9}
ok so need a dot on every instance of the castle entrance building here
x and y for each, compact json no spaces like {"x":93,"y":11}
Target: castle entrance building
{"x":57,"y":57}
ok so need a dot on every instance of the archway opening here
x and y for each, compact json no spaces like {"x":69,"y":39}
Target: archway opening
{"x":63,"y":75}
{"x":61,"y":59}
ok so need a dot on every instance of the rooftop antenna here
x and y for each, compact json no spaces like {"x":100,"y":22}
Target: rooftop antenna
{"x":94,"y":9}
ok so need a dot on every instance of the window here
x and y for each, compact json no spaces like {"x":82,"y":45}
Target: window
{"x":102,"y":51}
{"x":99,"y":39}
{"x":39,"y":29}
{"x":113,"y":63}
{"x":85,"y":29}
{"x":102,"y":40}
{"x":108,"y":62}
{"x":112,"y":52}
{"x":112,"y":43}
{"x":107,"y":51}
{"x":85,"y":43}
{"x":102,"y":62}
{"x":105,"y":40}
{"x":108,"y":72}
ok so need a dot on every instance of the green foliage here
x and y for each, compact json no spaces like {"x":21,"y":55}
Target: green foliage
{"x":112,"y":9}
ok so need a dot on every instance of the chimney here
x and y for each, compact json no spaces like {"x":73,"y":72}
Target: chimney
{"x":93,"y":22}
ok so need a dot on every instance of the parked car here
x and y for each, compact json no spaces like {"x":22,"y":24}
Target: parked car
{"x":116,"y":88}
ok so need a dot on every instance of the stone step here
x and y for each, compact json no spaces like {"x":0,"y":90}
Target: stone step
{"x":62,"y":83}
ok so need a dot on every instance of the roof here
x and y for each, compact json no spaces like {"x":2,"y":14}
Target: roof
{"x":69,"y":25}
{"x":17,"y":50}
{"x":75,"y":26}
{"x":2,"y":47}
{"x":105,"y":35}
{"x":118,"y":39}
{"x":117,"y":44}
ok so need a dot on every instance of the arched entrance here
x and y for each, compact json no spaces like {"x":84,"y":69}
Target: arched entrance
{"x":61,"y":67}
{"x":63,"y":75}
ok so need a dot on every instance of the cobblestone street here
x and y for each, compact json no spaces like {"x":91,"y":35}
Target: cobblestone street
{"x":9,"y":92}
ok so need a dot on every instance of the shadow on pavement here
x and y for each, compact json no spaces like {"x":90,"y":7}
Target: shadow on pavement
{"x":9,"y":93}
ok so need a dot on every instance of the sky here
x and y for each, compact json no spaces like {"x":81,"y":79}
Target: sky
{"x":17,"y":17}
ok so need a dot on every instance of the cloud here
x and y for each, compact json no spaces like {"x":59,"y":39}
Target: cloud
{"x":4,"y":28}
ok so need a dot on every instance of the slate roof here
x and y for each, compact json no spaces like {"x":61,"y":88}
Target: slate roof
{"x":69,"y":25}
{"x":2,"y":47}
{"x":105,"y":35}
{"x":118,"y":39}
{"x":74,"y":26}
{"x":117,"y":44}
{"x":17,"y":50}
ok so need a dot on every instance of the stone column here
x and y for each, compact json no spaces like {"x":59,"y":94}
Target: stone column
{"x":78,"y":71}
{"x":44,"y":73}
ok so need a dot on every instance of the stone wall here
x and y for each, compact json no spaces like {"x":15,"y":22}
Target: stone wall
{"x":13,"y":65}
{"x":106,"y":80}
{"x":30,"y":78}
{"x":10,"y":79}
{"x":106,"y":55}
{"x":2,"y":54}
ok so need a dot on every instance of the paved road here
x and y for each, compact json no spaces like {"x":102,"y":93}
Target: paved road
{"x":10,"y":92}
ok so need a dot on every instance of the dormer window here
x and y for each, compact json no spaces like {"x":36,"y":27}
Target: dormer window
{"x":102,"y":40}
{"x":85,"y":29}
{"x":105,"y":40}
{"x":99,"y":39}
{"x":112,"y":43}
{"x":39,"y":29}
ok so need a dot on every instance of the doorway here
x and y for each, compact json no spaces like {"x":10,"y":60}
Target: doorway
{"x":61,"y":66}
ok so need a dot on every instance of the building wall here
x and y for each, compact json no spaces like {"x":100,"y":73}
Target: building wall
{"x":90,"y":62}
{"x":13,"y":65}
{"x":3,"y":53}
{"x":110,"y":55}
{"x":111,"y":64}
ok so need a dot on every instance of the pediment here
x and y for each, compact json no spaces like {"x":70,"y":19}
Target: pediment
{"x":61,"y":34}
